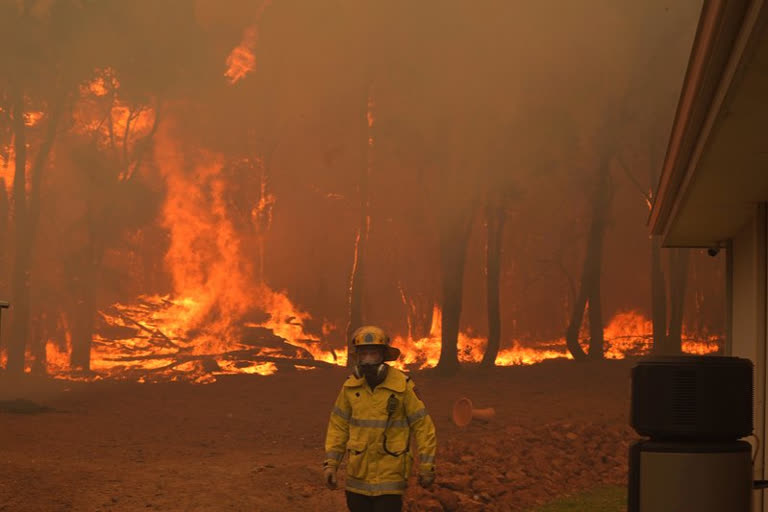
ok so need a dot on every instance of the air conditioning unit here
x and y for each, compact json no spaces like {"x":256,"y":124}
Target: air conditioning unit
{"x":695,"y":398}
{"x":694,"y":409}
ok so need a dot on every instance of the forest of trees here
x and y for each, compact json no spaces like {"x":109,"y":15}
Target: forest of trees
{"x":371,"y":159}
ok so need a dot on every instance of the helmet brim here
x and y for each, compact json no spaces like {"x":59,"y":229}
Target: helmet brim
{"x":391,"y":353}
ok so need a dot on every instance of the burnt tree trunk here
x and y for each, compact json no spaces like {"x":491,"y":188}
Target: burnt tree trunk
{"x":590,"y":286}
{"x":419,"y":309}
{"x":4,"y":239}
{"x":454,"y":238}
{"x":357,"y":278}
{"x":421,"y":317}
{"x":21,"y":267}
{"x":597,"y":237}
{"x":82,"y":331}
{"x":658,"y":298}
{"x":36,"y":351}
{"x":26,"y":214}
{"x":577,"y":316}
{"x":94,"y":248}
{"x":495,"y":216}
{"x":678,"y":278}
{"x":85,"y":310}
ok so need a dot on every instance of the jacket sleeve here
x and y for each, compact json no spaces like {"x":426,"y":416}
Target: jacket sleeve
{"x":422,"y":427}
{"x":338,"y":431}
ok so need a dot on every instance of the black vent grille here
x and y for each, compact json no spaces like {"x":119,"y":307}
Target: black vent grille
{"x":692,"y":398}
{"x":684,"y":404}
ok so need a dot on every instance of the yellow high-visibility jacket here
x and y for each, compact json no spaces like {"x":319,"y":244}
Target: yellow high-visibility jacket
{"x":359,"y":423}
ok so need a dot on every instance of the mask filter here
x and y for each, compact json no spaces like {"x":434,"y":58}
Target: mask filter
{"x":375,"y":372}
{"x":370,"y":364}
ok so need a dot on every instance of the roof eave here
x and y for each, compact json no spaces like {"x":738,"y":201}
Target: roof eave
{"x":718,"y":27}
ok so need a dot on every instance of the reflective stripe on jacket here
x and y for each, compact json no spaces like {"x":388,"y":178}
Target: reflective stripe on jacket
{"x":357,"y":427}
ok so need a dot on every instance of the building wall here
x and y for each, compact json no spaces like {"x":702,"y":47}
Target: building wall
{"x":748,"y":321}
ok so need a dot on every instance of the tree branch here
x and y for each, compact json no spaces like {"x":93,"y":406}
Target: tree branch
{"x":635,"y":182}
{"x":235,"y":355}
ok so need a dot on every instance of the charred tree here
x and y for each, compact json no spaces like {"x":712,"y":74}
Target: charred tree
{"x":4,"y":214}
{"x":419,"y":309}
{"x":678,"y":279}
{"x":658,"y":298}
{"x":82,"y":328}
{"x":108,"y":175}
{"x":659,"y":302}
{"x":574,"y":325}
{"x":495,"y":215}
{"x":590,"y":287}
{"x":454,"y":237}
{"x":597,"y":237}
{"x":653,"y":121}
{"x":420,"y":317}
{"x":357,"y":277}
{"x":26,"y":216}
{"x":85,"y":311}
{"x":21,"y":267}
{"x":667,"y":288}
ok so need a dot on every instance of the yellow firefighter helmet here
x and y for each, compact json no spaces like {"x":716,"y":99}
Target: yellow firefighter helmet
{"x":371,"y":335}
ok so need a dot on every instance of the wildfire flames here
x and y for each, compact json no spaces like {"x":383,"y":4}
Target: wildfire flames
{"x":241,"y":60}
{"x":221,"y":317}
{"x":627,"y":334}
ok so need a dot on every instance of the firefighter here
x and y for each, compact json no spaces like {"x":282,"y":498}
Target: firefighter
{"x":373,"y":420}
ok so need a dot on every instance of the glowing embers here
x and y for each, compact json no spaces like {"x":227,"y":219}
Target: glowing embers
{"x":32,"y":118}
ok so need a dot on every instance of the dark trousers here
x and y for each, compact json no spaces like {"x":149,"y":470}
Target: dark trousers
{"x":384,"y":503}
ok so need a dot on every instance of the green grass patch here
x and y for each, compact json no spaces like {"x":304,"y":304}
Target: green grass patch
{"x":602,"y":499}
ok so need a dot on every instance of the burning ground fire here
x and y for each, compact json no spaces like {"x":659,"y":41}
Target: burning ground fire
{"x":168,"y":345}
{"x":627,"y":334}
{"x":159,"y":342}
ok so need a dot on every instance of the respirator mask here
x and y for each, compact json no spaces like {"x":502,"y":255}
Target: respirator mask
{"x":370,"y":364}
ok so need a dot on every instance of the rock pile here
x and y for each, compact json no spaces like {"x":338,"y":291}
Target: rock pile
{"x":514,"y":468}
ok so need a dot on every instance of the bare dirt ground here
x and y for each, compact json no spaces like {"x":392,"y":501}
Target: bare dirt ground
{"x":252,"y":443}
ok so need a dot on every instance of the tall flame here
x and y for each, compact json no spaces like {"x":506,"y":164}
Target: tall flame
{"x":241,"y":60}
{"x":201,"y":329}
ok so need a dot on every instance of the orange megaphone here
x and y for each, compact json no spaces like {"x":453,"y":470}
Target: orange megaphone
{"x":464,"y":413}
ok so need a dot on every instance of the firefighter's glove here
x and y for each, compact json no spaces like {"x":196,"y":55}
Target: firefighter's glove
{"x":329,"y":475}
{"x":426,"y":479}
